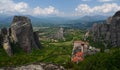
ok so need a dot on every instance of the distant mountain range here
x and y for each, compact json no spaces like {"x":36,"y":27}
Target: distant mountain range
{"x":55,"y":21}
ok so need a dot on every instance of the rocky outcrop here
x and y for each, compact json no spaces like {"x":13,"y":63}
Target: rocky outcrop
{"x":7,"y":46}
{"x":1,"y":38}
{"x":21,"y":33}
{"x":5,"y":42}
{"x":39,"y":66}
{"x":60,"y":34}
{"x":109,"y":32}
{"x":36,"y":38}
{"x":57,"y":35}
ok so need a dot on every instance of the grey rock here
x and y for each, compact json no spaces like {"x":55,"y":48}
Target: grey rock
{"x":0,"y":38}
{"x":36,"y":38}
{"x":22,"y":33}
{"x":40,"y":66}
{"x":117,"y":14}
{"x":5,"y":42}
{"x":7,"y":46}
{"x":29,"y":67}
{"x":108,"y":21}
{"x":108,"y":32}
{"x":60,"y":34}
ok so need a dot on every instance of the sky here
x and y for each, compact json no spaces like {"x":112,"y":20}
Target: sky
{"x":63,"y":8}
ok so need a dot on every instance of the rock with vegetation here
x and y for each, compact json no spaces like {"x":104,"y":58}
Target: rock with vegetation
{"x":0,"y":38}
{"x":36,"y":38}
{"x":60,"y":34}
{"x":5,"y":42}
{"x":108,"y":32}
{"x":20,"y":33}
{"x":7,"y":46}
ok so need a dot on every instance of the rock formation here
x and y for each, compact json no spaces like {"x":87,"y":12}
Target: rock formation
{"x":36,"y":38}
{"x":5,"y":42}
{"x":57,"y":35}
{"x":7,"y":46}
{"x":60,"y":34}
{"x":0,"y":38}
{"x":109,"y":32}
{"x":38,"y":66}
{"x":21,"y":33}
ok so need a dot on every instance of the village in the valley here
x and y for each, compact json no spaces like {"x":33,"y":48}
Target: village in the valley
{"x":81,"y":48}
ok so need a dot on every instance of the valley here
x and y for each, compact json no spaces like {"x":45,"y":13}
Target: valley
{"x":65,"y":47}
{"x":52,"y":52}
{"x":56,"y":52}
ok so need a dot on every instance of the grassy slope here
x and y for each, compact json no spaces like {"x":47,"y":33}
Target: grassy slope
{"x":51,"y":53}
{"x":102,"y":61}
{"x":60,"y":53}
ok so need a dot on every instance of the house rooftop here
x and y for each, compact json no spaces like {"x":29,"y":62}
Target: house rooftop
{"x":81,"y":42}
{"x":78,"y":41}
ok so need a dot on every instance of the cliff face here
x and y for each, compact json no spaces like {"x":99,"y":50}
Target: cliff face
{"x":60,"y":34}
{"x":5,"y":41}
{"x":21,"y":33}
{"x":108,"y":32}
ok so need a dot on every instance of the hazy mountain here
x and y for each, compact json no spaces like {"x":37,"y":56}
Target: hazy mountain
{"x":86,"y":19}
{"x":93,"y":18}
{"x":5,"y":19}
{"x":55,"y":21}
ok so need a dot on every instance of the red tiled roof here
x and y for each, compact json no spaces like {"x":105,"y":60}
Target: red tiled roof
{"x":78,"y":57}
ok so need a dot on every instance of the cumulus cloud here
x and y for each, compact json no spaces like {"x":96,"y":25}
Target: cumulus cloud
{"x":45,"y":11}
{"x":21,"y":7}
{"x":84,"y":9}
{"x":10,"y":7}
{"x":105,"y":0}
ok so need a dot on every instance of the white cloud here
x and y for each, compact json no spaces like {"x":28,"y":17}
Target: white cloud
{"x":21,"y":7}
{"x":45,"y":11}
{"x":10,"y":7}
{"x":105,"y":0}
{"x":84,"y":9}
